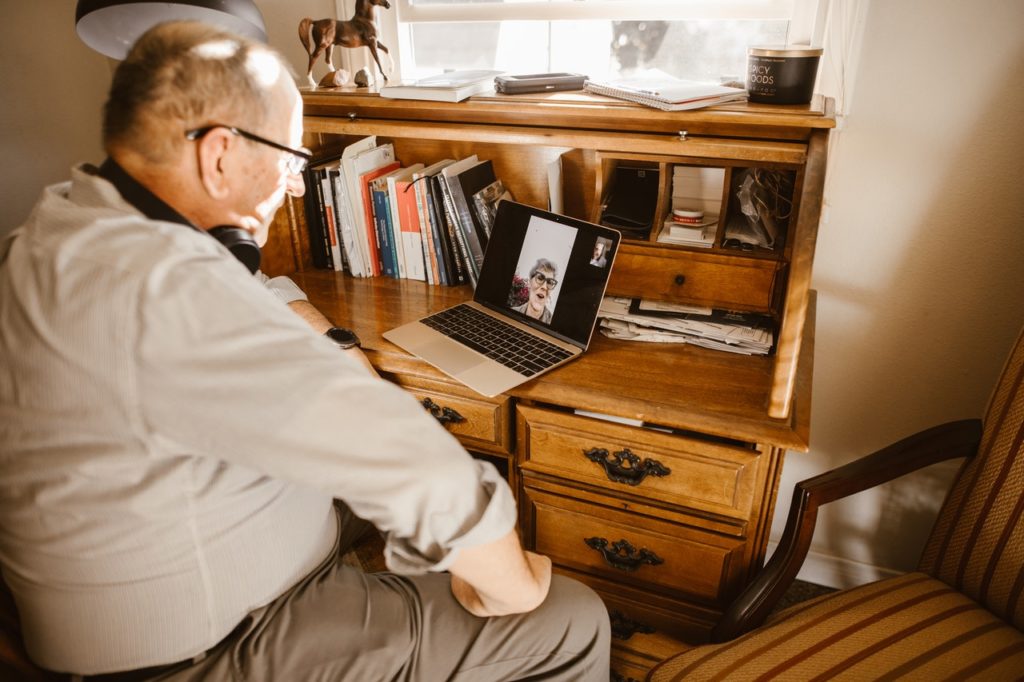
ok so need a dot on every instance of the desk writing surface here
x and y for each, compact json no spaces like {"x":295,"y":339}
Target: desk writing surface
{"x":680,"y":386}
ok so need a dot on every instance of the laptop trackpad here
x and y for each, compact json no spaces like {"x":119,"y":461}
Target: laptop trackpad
{"x":451,"y":355}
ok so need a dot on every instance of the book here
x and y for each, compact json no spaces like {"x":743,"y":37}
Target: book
{"x":420,"y":182}
{"x":409,"y":234}
{"x":361,"y":266}
{"x":464,"y":257}
{"x":449,"y":246}
{"x":452,"y":86}
{"x":319,"y":243}
{"x":343,"y":218}
{"x":438,"y":227}
{"x":465,"y":178}
{"x":382,"y":226}
{"x":330,"y":213}
{"x":373,"y":237}
{"x":661,"y":91}
{"x":485,"y":204}
{"x":363,"y":165}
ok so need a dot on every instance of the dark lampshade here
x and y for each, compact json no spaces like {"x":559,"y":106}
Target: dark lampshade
{"x":111,"y":27}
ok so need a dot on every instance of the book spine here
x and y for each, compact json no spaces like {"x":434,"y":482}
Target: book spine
{"x":412,"y":233}
{"x":343,"y":216}
{"x":379,"y":205}
{"x":448,"y":247}
{"x":429,"y":264}
{"x":330,"y":219}
{"x":463,"y":258}
{"x":398,"y":245}
{"x":467,"y":227}
{"x":317,"y":246}
{"x":372,"y":241}
{"x":443,"y":276}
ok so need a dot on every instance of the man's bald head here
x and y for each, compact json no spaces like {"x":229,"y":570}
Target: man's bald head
{"x":184,"y":75}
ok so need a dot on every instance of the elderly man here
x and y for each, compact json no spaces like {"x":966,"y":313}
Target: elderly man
{"x":185,"y":461}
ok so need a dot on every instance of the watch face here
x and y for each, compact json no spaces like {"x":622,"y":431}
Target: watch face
{"x":345,"y":338}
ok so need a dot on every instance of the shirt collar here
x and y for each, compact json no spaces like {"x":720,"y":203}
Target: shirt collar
{"x":136,"y":194}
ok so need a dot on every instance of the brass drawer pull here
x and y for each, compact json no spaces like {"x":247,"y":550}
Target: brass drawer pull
{"x":445,"y":415}
{"x":622,"y":555}
{"x":624,"y":627}
{"x":626,"y":467}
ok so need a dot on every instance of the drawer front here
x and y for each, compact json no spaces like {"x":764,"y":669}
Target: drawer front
{"x":655,"y":556}
{"x":674,"y":469}
{"x":478,"y":422}
{"x":733,"y":283}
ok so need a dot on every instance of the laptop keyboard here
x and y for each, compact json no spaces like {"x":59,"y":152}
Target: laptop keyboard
{"x":503,"y":343}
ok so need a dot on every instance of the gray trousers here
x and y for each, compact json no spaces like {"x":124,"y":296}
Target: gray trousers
{"x":339,"y":623}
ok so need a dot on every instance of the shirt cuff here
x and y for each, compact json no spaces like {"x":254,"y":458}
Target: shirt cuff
{"x":283,"y":287}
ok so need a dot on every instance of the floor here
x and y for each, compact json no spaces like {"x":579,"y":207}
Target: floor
{"x":800,"y":591}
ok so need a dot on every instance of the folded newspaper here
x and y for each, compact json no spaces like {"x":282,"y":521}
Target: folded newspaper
{"x":635,"y":320}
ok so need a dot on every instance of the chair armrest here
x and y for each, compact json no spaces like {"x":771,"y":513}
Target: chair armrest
{"x":937,"y":444}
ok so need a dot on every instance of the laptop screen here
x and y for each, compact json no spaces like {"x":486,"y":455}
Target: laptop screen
{"x":547,"y":270}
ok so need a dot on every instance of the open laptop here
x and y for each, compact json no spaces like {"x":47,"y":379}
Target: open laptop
{"x":534,"y":308}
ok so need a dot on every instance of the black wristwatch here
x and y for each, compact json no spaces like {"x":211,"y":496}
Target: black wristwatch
{"x":345,"y":338}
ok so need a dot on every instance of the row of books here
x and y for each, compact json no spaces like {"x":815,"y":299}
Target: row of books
{"x":371,"y":216}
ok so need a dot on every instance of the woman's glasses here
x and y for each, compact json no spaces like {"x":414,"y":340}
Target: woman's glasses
{"x":540,"y":279}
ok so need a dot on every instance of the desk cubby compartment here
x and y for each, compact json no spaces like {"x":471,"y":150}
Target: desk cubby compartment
{"x":771,"y":194}
{"x":633,"y":196}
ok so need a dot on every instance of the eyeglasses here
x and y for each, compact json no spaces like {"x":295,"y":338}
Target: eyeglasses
{"x":539,"y":278}
{"x":296,"y":162}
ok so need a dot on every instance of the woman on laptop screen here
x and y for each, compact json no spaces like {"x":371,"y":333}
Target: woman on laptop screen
{"x":541,"y":282}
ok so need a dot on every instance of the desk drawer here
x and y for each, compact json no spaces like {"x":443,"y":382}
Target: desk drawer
{"x":697,"y":278}
{"x":479,"y":423}
{"x":594,"y":536}
{"x":713,"y":477}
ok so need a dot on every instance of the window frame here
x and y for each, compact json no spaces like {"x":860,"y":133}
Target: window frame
{"x":807,"y":18}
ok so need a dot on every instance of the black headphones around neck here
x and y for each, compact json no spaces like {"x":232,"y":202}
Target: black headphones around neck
{"x":236,"y":240}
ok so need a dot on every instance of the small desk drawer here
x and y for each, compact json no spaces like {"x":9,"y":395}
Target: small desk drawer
{"x":713,"y":477}
{"x":656,"y":556}
{"x":702,"y":279}
{"x":479,"y":423}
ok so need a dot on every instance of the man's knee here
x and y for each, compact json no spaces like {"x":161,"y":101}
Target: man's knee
{"x":584,"y":614}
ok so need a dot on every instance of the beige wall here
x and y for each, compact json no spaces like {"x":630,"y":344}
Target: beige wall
{"x":920,"y":264}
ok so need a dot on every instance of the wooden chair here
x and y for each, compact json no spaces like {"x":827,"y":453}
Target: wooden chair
{"x":959,"y":615}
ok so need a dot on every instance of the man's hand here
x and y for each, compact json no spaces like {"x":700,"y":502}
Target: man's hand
{"x":500,"y":578}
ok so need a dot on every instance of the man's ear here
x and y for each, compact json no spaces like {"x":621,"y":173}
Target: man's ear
{"x":212,"y":150}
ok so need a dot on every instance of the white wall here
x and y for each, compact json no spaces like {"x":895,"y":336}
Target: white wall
{"x":920,"y":264}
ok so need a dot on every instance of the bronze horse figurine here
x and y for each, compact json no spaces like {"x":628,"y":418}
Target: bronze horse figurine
{"x":320,"y":37}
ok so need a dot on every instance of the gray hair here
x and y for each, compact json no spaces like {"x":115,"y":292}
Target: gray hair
{"x":182,"y":75}
{"x":543,"y":264}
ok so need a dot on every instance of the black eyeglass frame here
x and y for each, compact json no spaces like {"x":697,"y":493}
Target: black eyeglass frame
{"x":542,"y":279}
{"x":303,"y":156}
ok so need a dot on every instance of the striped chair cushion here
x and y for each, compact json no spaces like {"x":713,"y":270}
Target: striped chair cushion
{"x":911,"y":627}
{"x":977,"y":544}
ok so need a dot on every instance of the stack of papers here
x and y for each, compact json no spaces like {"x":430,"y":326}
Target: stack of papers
{"x":667,"y":93}
{"x":637,"y":320}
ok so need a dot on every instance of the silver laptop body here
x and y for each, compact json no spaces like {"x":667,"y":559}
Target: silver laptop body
{"x":535,"y":306}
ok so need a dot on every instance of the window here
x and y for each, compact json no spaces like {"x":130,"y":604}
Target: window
{"x":697,"y":39}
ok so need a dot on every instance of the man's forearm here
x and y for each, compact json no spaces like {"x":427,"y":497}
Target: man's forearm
{"x":499,"y":578}
{"x":320,"y":324}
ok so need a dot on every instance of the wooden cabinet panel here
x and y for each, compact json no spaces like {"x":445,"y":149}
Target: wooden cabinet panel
{"x":728,"y":282}
{"x":674,"y":469}
{"x":479,"y":423}
{"x":642,"y":551}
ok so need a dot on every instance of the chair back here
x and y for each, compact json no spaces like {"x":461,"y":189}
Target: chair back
{"x":977,"y":544}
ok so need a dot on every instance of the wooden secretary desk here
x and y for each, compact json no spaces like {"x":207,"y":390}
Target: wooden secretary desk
{"x":648,"y":471}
